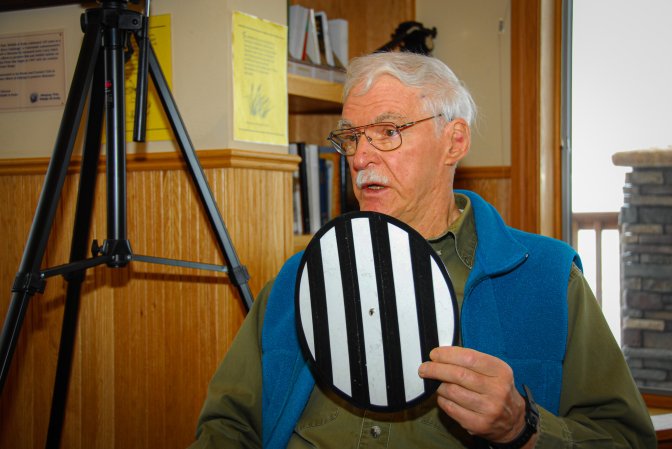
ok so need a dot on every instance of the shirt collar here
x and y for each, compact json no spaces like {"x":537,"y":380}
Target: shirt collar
{"x":462,"y":231}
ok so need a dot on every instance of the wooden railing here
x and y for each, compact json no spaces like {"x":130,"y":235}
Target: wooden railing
{"x":659,"y":402}
{"x":598,"y":222}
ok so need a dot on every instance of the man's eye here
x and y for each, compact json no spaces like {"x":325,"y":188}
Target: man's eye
{"x":350,"y":137}
{"x":390,"y":132}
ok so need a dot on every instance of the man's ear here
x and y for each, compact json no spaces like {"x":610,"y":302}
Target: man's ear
{"x":459,"y":135}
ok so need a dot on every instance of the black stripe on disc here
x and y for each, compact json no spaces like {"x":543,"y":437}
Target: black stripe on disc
{"x":346,"y":256}
{"x":426,"y":311}
{"x":319,"y":307}
{"x":380,"y":238}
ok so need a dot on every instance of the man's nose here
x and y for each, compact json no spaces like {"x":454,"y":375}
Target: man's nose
{"x":365,"y":153}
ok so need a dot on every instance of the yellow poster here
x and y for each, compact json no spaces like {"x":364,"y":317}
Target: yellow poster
{"x":158,"y":126}
{"x":259,"y":80}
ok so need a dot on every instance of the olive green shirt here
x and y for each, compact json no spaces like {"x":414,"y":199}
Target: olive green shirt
{"x":600,"y":406}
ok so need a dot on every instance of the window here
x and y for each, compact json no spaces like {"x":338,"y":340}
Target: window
{"x":620,"y":96}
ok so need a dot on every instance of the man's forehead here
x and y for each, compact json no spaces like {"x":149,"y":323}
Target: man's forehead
{"x":387,"y":99}
{"x":388,"y":116}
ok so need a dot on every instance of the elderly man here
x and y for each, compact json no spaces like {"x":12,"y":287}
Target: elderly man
{"x":536,"y":365}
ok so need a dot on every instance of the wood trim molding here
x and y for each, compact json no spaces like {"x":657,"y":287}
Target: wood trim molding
{"x":525,"y":109}
{"x":494,"y":172}
{"x":658,"y":400}
{"x":226,"y":158}
{"x":314,"y":88}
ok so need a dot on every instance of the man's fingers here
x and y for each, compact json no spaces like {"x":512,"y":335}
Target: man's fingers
{"x":468,"y":358}
{"x":477,"y":390}
{"x":453,"y":374}
{"x":469,"y":368}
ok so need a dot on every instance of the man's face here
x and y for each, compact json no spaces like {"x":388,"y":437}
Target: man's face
{"x":407,"y":183}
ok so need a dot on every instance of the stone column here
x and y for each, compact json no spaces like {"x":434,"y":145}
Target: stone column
{"x":646,"y":265}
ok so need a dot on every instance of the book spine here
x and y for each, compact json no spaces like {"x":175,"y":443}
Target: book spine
{"x":303,"y":180}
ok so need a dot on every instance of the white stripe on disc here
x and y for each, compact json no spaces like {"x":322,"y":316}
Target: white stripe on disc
{"x":306,"y":311}
{"x":338,"y":335}
{"x":368,"y":292}
{"x":443,"y":303}
{"x":407,"y":314}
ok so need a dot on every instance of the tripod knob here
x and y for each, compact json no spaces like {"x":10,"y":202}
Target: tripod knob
{"x":96,"y":250}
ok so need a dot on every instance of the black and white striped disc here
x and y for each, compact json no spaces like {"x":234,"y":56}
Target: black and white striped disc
{"x":372,"y":300}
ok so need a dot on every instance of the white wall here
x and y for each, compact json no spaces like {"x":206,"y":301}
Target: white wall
{"x":201,"y":79}
{"x":469,"y":40}
{"x":474,"y":39}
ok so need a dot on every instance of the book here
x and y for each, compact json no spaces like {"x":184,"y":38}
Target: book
{"x":338,"y":38}
{"x":297,"y":208}
{"x":334,"y":159}
{"x":298,"y":26}
{"x":303,"y":187}
{"x":313,"y":187}
{"x":326,"y":173}
{"x":323,"y":39}
{"x":323,"y":189}
{"x":348,"y":200}
{"x":312,"y":52}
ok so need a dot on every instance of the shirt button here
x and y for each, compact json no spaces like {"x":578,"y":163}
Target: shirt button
{"x":375,"y":431}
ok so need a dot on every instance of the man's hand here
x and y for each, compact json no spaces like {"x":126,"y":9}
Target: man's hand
{"x":477,"y":390}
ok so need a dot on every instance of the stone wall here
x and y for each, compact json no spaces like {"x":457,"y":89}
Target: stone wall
{"x":646,"y":266}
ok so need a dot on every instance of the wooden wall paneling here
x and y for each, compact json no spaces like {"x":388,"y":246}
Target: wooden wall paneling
{"x":492,"y":183}
{"x":378,"y":22}
{"x":149,"y":336}
{"x":312,"y":128}
{"x":20,"y":399}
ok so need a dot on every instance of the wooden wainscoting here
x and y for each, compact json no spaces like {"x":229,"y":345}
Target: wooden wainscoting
{"x":149,"y":336}
{"x":492,"y":183}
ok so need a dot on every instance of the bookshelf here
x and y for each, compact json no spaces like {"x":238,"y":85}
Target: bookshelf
{"x":371,"y":22}
{"x":315,"y":104}
{"x":313,"y":96}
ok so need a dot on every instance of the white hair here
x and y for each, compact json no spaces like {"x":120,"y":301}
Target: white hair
{"x":441,"y":91}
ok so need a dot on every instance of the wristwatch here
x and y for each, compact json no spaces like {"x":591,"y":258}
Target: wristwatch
{"x":531,"y":424}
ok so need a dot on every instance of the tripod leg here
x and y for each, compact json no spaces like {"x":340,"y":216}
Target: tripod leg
{"x":140,"y":123}
{"x":237,"y":272}
{"x":78,"y":251}
{"x":28,"y":280}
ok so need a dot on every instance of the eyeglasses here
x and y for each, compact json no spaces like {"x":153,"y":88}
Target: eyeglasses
{"x":384,"y":136}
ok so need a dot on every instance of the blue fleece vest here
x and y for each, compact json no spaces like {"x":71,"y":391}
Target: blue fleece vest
{"x":514,"y":307}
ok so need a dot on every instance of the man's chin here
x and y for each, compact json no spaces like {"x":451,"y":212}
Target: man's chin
{"x":370,"y":207}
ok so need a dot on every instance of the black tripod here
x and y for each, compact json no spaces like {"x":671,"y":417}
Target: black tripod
{"x":99,"y":75}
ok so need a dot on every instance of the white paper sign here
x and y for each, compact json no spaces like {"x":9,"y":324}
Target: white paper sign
{"x":32,"y":70}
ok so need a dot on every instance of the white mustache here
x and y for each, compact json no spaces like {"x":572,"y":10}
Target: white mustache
{"x":365,"y":177}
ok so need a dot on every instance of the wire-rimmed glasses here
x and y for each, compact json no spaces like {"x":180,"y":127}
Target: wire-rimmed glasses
{"x":384,"y":136}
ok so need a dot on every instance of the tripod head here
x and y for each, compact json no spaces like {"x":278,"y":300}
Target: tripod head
{"x":111,"y":3}
{"x":116,"y":15}
{"x":411,"y":37}
{"x":120,"y":4}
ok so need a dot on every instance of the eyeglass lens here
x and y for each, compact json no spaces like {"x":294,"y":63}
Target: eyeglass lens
{"x":383,"y":136}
